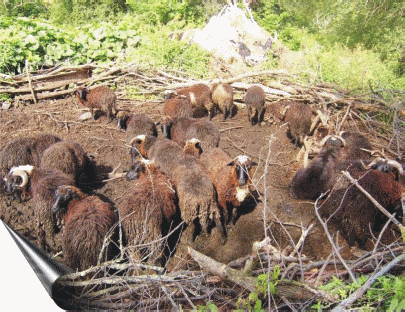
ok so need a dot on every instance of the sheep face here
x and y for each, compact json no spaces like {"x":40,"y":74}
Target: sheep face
{"x":122,"y":118}
{"x":193,"y":147}
{"x":388,"y":166}
{"x":63,"y":195}
{"x":137,"y":148}
{"x":136,"y":170}
{"x":166,"y":125}
{"x":81,"y":94}
{"x":243,"y":169}
{"x":17,"y":179}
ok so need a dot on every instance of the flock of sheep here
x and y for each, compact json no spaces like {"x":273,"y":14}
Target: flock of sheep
{"x":184,"y":184}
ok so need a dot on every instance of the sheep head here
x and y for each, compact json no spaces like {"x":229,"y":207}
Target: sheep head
{"x":63,"y":195}
{"x":138,"y":146}
{"x":81,"y":94}
{"x":193,"y":147}
{"x":386,"y":166}
{"x":18,"y":178}
{"x":122,"y":118}
{"x":243,"y":169}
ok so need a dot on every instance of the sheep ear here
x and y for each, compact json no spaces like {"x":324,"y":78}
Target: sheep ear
{"x":157,"y":123}
{"x":232,"y":163}
{"x":253,"y":163}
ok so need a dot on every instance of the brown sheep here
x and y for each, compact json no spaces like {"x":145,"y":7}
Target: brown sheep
{"x":100,"y":98}
{"x":199,"y":96}
{"x":298,"y":116}
{"x":255,"y":99}
{"x":354,"y":214}
{"x":319,"y":175}
{"x":179,"y":106}
{"x":148,"y":213}
{"x":222,"y":96}
{"x":87,"y":221}
{"x":70,"y":158}
{"x":183,"y":129}
{"x":41,"y":185}
{"x":25,"y":151}
{"x":165,"y":153}
{"x":232,"y":181}
{"x":136,"y":124}
{"x":193,"y":148}
{"x":355,"y":145}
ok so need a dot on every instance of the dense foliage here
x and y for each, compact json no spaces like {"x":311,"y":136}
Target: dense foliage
{"x":354,"y":44}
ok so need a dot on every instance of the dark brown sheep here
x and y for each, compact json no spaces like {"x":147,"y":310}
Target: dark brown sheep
{"x":25,"y":151}
{"x":100,"y":98}
{"x":87,"y":221}
{"x":165,"y":153}
{"x":232,"y":181}
{"x":149,"y":213}
{"x":319,"y":176}
{"x":255,"y":99}
{"x":298,"y":117}
{"x":355,"y":145}
{"x":183,"y":129}
{"x":222,"y":96}
{"x":199,"y":96}
{"x":193,"y":148}
{"x":136,"y":124}
{"x":41,"y":185}
{"x":354,"y":214}
{"x":179,"y":106}
{"x":70,"y":158}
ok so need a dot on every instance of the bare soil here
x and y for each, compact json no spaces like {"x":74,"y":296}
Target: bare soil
{"x":268,"y":145}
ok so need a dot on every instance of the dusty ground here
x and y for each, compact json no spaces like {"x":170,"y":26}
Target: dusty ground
{"x":268,"y":145}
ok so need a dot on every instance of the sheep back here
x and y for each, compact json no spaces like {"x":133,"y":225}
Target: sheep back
{"x":178,"y":107}
{"x":140,"y":124}
{"x":199,"y":96}
{"x":255,"y":99}
{"x":222,"y":96}
{"x":86,"y":223}
{"x":299,"y":119}
{"x":355,"y":142}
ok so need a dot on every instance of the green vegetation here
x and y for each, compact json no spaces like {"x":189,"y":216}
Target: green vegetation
{"x":387,"y":293}
{"x":356,"y":45}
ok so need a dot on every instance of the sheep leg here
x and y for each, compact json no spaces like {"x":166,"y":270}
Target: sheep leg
{"x":225,"y":114}
{"x":221,"y":227}
{"x":108,"y":116}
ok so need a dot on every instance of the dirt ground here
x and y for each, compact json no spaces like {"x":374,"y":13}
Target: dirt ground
{"x":268,"y":145}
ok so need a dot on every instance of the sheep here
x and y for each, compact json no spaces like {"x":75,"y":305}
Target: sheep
{"x":199,"y":96}
{"x":183,"y":129}
{"x":100,"y":98}
{"x":41,"y":185}
{"x":232,"y":181}
{"x":298,"y":116}
{"x":25,"y":151}
{"x":222,"y":96}
{"x":354,"y":214}
{"x":318,"y":176}
{"x":193,"y":148}
{"x":355,"y":145}
{"x":149,"y":212}
{"x":165,"y":153}
{"x":70,"y":158}
{"x":87,"y":221}
{"x":179,"y":106}
{"x":136,"y":124}
{"x":255,"y":99}
{"x":196,"y":193}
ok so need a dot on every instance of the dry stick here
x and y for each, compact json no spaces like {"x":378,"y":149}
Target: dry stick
{"x":226,"y":129}
{"x":382,"y":232}
{"x":382,"y":209}
{"x":302,"y":238}
{"x":331,"y":241}
{"x":344,"y":117}
{"x":359,"y":292}
{"x":27,"y":68}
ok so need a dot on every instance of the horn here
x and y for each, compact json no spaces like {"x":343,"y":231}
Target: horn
{"x":22,"y":174}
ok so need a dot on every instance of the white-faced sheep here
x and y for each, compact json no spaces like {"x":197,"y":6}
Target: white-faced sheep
{"x":25,"y":151}
{"x":87,"y":222}
{"x":222,"y":96}
{"x":199,"y":96}
{"x":100,"y":98}
{"x":149,"y":213}
{"x":183,"y":129}
{"x":354,"y":214}
{"x":255,"y":99}
{"x":70,"y":158}
{"x":41,"y":185}
{"x":232,"y":181}
{"x":299,"y":119}
{"x":136,"y":124}
{"x":179,"y":106}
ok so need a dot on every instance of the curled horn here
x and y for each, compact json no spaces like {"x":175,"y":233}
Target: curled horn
{"x":20,"y":173}
{"x":390,"y":162}
{"x":142,"y":137}
{"x":330,"y":136}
